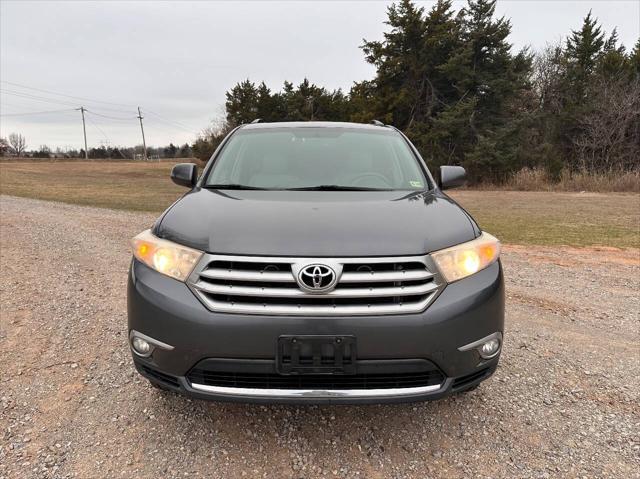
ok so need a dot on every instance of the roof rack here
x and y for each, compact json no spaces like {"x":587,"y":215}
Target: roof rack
{"x":377,"y":123}
{"x":257,"y":120}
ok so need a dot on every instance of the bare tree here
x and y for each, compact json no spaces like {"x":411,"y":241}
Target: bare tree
{"x":610,"y":136}
{"x":548,"y":72}
{"x":18,"y":143}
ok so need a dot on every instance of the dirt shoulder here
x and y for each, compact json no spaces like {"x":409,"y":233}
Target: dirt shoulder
{"x":563,"y":403}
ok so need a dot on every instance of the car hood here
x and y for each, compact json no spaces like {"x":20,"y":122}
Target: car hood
{"x":316,"y":223}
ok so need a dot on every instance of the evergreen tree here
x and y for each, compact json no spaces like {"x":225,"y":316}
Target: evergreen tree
{"x":400,"y":62}
{"x":265,"y":104}
{"x":449,"y":81}
{"x":185,"y":151}
{"x":613,"y":60}
{"x":634,"y":59}
{"x":170,"y":151}
{"x":242,"y":103}
{"x":584,"y":48}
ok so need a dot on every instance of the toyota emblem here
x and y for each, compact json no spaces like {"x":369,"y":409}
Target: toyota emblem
{"x":317,"y":278}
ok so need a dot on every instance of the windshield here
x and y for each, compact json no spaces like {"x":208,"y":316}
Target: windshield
{"x":317,"y":158}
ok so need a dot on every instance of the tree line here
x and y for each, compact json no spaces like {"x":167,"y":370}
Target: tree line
{"x":16,"y":145}
{"x":451,"y":81}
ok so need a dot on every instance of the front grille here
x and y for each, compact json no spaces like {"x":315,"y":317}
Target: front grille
{"x":267,"y":285}
{"x":327,"y":381}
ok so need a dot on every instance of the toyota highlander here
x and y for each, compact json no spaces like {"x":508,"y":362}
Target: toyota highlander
{"x":316,"y":262}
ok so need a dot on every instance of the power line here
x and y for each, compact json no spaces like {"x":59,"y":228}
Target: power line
{"x":37,"y":112}
{"x":111,"y":117}
{"x":47,"y":100}
{"x":5,"y":103}
{"x":171,"y":122}
{"x":58,"y":101}
{"x":55,"y":101}
{"x":35,"y":97}
{"x":65,"y":95}
{"x":99,"y":129}
{"x":170,"y":126}
{"x":174,"y":125}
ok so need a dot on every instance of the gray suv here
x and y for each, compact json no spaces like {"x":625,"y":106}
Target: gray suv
{"x":320,"y":263}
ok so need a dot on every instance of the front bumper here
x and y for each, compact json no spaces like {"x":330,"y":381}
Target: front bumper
{"x":166,"y":310}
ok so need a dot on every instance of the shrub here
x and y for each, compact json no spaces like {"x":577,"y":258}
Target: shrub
{"x":538,"y":179}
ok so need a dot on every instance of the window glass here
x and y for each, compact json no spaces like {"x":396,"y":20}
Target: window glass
{"x":302,"y":157}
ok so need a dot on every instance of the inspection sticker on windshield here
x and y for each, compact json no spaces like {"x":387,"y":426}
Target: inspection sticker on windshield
{"x":416,"y":184}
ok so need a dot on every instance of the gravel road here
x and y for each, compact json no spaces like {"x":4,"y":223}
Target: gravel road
{"x":563,"y":403}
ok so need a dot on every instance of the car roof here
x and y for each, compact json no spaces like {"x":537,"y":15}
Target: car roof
{"x":312,"y":124}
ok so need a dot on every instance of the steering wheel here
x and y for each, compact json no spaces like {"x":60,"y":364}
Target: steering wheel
{"x":377,"y":176}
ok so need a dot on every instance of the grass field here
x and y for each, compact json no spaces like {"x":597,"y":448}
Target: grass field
{"x":545,"y":218}
{"x":121,"y":185}
{"x":574,"y":219}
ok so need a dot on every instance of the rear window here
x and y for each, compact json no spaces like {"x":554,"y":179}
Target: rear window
{"x":306,"y":157}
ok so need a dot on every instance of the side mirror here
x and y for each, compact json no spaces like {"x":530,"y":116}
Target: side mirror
{"x":185,"y":174}
{"x":452,"y":177}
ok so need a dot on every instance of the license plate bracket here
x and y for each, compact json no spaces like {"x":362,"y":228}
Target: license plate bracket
{"x":317,"y":354}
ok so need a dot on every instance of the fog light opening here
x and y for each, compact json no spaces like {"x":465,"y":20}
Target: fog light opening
{"x":141,"y":347}
{"x":489,"y":348}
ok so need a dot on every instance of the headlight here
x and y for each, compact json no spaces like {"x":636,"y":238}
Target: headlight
{"x":466,"y":259}
{"x":165,"y":256}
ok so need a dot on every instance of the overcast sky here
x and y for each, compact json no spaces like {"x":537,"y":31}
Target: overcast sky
{"x":176,"y":59}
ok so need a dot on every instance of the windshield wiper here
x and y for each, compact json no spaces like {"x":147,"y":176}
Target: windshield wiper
{"x":232,"y":186}
{"x":336,"y":188}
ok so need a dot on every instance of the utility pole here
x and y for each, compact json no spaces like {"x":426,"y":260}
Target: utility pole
{"x":84,"y":129}
{"x":144,"y":143}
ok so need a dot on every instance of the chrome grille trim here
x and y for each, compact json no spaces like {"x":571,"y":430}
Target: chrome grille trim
{"x":298,"y":293}
{"x":382,"y":277}
{"x":317,"y":393}
{"x":219,"y":273}
{"x":268,"y":285}
{"x":279,"y":309}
